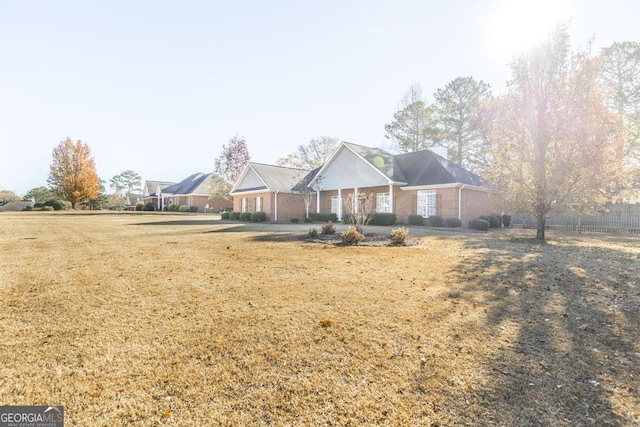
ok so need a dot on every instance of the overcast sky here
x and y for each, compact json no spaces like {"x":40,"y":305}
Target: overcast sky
{"x":158,"y":86}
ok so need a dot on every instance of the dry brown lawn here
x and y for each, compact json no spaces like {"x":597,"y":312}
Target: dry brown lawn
{"x":151,"y":319}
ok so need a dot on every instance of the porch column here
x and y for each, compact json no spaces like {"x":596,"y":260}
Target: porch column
{"x":355,"y":201}
{"x":339,"y":204}
{"x":391,"y":210}
{"x":318,"y":201}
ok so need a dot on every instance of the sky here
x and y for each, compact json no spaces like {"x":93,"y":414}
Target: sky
{"x":159,"y":86}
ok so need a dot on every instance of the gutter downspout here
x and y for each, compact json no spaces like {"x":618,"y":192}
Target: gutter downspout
{"x":460,"y":202}
{"x":275,"y":209}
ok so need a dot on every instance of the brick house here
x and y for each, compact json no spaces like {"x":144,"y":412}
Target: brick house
{"x":191,"y":191}
{"x":422,"y":183}
{"x":274,"y":190}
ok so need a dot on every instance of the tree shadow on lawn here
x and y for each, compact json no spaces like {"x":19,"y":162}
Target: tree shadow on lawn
{"x":563,"y":321}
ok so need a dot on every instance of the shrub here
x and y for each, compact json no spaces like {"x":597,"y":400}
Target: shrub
{"x":506,"y":220}
{"x":313,"y":232}
{"x":245,"y":216}
{"x":328,"y":228}
{"x":57,"y":205}
{"x":234,"y":215}
{"x":225,"y":215}
{"x":324,"y":217}
{"x":139,"y":206}
{"x":479,"y":224}
{"x":258,"y":217}
{"x":294,"y":220}
{"x":193,"y":209}
{"x":48,"y":208}
{"x":172,"y":208}
{"x":399,"y":236}
{"x":183,"y":208}
{"x":352,"y":236}
{"x":308,"y":219}
{"x":435,"y":221}
{"x":494,"y":220}
{"x":149,"y":207}
{"x":416,"y":220}
{"x":452,"y":223}
{"x":383,"y":219}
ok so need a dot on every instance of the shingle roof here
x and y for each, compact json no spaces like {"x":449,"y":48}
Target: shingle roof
{"x":380,"y":159}
{"x":151,"y":187}
{"x":279,"y":178}
{"x":189,"y":185}
{"x":428,"y":168}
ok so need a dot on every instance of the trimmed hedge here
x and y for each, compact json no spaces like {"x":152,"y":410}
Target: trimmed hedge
{"x":245,"y":216}
{"x":506,"y":220}
{"x":382,"y":219}
{"x":324,"y":217}
{"x":494,"y":221}
{"x":234,"y":215}
{"x":258,"y":217}
{"x":193,"y":209}
{"x":225,"y":215}
{"x":479,"y":224}
{"x":452,"y":223}
{"x":295,"y":220}
{"x":139,"y":206}
{"x":416,"y":220}
{"x":149,"y":207}
{"x":435,"y":221}
{"x":308,"y":219}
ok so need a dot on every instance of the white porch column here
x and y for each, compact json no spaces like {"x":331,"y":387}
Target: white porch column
{"x":161,"y":201}
{"x":391,"y":208}
{"x":339,"y":204}
{"x":355,"y":201}
{"x":318,"y":201}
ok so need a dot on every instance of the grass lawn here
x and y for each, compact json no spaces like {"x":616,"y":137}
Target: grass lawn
{"x":160,"y":319}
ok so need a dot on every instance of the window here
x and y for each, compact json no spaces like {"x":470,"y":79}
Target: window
{"x":244,"y":205}
{"x":258,"y":204}
{"x":382,"y":203}
{"x":426,"y":203}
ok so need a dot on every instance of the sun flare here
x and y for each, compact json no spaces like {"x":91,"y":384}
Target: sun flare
{"x":516,"y":25}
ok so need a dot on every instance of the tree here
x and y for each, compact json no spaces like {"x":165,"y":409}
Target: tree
{"x":459,"y":109}
{"x":228,"y":167}
{"x":72,"y":175}
{"x":40,"y":194}
{"x":102,"y":199}
{"x":128,"y":180}
{"x":312,"y":155}
{"x":7,"y":196}
{"x":553,"y":141}
{"x":620,"y":80}
{"x":413,"y":127}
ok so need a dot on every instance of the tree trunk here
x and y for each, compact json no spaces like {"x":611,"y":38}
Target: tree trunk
{"x":540,"y":220}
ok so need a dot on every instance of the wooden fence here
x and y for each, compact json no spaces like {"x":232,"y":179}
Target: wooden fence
{"x":599,"y":223}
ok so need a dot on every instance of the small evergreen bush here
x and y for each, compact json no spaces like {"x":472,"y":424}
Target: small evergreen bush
{"x":193,"y":209}
{"x":57,"y":205}
{"x":308,"y":219}
{"x":416,"y":220}
{"x":506,"y":220}
{"x":294,"y":220}
{"x":234,"y":215}
{"x":225,"y":215}
{"x":183,"y":208}
{"x":452,"y":223}
{"x":258,"y":217}
{"x":382,"y":219}
{"x":324,"y":217}
{"x":172,"y":208}
{"x":313,"y":232}
{"x":139,"y":206}
{"x":352,"y":236}
{"x":435,"y":221}
{"x":494,"y":220}
{"x":149,"y":207}
{"x":245,"y":216}
{"x":399,"y":236}
{"x":328,"y":228}
{"x":479,"y":224}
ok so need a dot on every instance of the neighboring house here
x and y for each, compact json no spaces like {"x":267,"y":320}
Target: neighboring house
{"x":151,"y":193}
{"x":270,"y":189}
{"x":422,"y":183}
{"x":191,"y":191}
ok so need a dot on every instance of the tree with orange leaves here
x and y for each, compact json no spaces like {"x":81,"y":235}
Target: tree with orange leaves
{"x":72,"y":174}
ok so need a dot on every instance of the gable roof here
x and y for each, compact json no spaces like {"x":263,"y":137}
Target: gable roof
{"x":270,"y":178}
{"x":428,"y":168}
{"x":151,"y":188}
{"x":195,"y":183}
